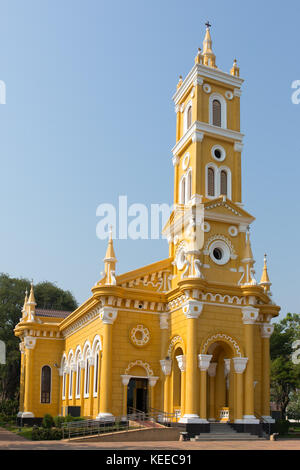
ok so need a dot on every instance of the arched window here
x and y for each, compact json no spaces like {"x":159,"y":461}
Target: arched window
{"x":217,"y":113}
{"x":189,"y":117}
{"x":46,"y":384}
{"x":210,"y":182}
{"x":223,"y":183}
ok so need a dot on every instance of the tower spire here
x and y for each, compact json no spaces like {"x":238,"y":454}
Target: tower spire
{"x":248,"y":277}
{"x":24,"y":309}
{"x":265,"y":281}
{"x":110,"y":261}
{"x":209,"y":57}
{"x":31,"y":304}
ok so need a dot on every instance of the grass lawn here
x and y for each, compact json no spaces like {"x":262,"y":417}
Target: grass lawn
{"x":25,"y":431}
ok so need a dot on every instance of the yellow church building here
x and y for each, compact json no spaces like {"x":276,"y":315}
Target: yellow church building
{"x":187,"y":335}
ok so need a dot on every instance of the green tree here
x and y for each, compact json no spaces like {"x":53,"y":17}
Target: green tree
{"x":293,"y":410}
{"x":285,"y":376}
{"x":12,"y":293}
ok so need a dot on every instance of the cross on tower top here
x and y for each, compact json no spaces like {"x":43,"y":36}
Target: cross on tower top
{"x":208,"y":25}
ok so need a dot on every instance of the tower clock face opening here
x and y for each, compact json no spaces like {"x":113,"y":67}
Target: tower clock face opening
{"x":218,"y":254}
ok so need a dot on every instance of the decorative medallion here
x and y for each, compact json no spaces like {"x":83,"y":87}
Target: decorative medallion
{"x":140,"y":335}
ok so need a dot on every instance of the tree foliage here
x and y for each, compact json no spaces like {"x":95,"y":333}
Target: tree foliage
{"x":12,"y":293}
{"x":285,"y":376}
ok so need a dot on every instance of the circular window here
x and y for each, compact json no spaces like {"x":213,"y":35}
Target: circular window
{"x":219,"y":252}
{"x":207,"y":88}
{"x":218,"y":153}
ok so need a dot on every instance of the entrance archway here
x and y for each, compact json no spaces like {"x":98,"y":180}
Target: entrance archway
{"x":138,"y":395}
{"x":221,"y":377}
{"x":139,"y":382}
{"x":177,"y":382}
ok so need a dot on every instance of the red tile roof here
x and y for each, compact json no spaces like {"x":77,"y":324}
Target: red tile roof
{"x":52,"y":313}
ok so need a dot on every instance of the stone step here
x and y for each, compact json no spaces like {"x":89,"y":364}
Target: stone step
{"x":234,"y":437}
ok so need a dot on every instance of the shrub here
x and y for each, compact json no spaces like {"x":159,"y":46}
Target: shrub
{"x":46,"y":434}
{"x":48,"y":421}
{"x":283,"y":426}
{"x":58,"y":421}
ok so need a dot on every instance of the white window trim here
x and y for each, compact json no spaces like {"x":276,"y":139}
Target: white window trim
{"x":225,"y":168}
{"x":50,"y":385}
{"x":64,"y":378}
{"x":215,"y":168}
{"x":217,"y":171}
{"x":78,"y":377}
{"x":217,"y":96}
{"x":185,"y":114}
{"x":87,"y":372}
{"x":181,"y":195}
{"x":96,"y":371}
{"x":184,"y":198}
{"x":71,"y":378}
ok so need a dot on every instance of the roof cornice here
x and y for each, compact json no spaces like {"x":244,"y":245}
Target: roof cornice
{"x":199,"y":72}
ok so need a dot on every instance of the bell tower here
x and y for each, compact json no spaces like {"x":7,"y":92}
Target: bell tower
{"x":207,"y":174}
{"x":207,"y":153}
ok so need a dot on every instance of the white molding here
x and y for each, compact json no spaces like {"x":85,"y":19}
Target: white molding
{"x":240,"y":364}
{"x":200,"y":71}
{"x":188,"y":105}
{"x":108,"y":315}
{"x":237,"y":92}
{"x":192,"y":309}
{"x":181,"y":360}
{"x":204,"y":361}
{"x":197,"y":133}
{"x":267,"y":330}
{"x":192,"y":419}
{"x":238,"y":146}
{"x":250,"y":315}
{"x":166,"y":366}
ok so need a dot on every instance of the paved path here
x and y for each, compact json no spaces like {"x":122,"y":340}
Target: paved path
{"x":9,"y":440}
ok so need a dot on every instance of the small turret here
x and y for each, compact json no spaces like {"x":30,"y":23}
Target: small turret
{"x":209,"y":57}
{"x":179,"y":82}
{"x":199,"y":57}
{"x":248,"y":261}
{"x":31,"y":304}
{"x":235,"y":69}
{"x":24,"y":309}
{"x":265,"y":281}
{"x":110,"y":262}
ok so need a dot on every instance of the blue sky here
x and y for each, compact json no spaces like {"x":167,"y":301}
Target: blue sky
{"x":89,"y":117}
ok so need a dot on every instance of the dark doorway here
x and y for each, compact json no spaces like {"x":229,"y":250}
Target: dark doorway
{"x":137,"y":395}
